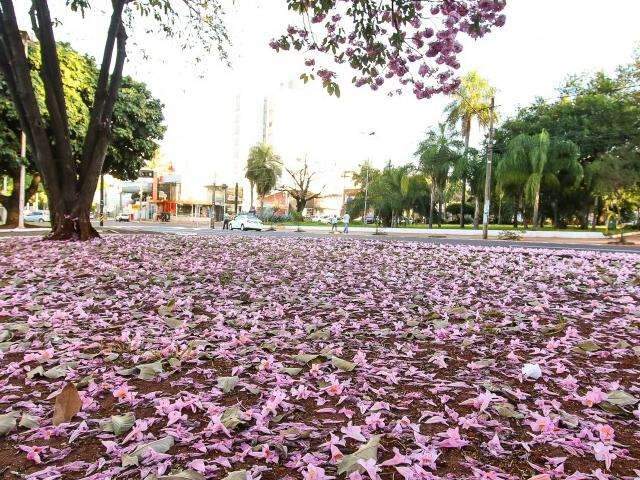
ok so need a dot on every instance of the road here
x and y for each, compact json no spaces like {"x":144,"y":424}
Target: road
{"x":172,"y":229}
{"x":190,"y":231}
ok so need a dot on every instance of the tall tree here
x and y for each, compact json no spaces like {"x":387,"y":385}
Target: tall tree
{"x":477,"y":168}
{"x":525,"y":162}
{"x":471,"y":103}
{"x":563,"y":171}
{"x":70,"y":185}
{"x":264,"y":167}
{"x":616,"y":177}
{"x":137,"y":124}
{"x":437,"y":154}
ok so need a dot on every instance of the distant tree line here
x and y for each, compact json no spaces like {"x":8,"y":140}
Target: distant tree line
{"x":558,"y":161}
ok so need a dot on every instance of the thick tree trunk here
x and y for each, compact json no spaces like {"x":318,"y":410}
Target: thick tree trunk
{"x":70,"y":189}
{"x":476,"y":213}
{"x":12,"y":202}
{"x":73,"y":224}
{"x":440,"y":213}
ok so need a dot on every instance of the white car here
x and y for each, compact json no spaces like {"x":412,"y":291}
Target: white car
{"x":246,"y":222}
{"x":122,"y":217}
{"x":37,"y":217}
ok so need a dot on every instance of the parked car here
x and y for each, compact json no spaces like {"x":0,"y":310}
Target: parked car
{"x":122,"y":217}
{"x":246,"y":222}
{"x":37,"y":217}
{"x":370,"y":219}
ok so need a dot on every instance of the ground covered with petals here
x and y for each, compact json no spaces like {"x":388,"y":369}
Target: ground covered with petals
{"x":245,"y":358}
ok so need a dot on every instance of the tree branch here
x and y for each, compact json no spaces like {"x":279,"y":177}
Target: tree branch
{"x":15,"y":66}
{"x":54,"y":94}
{"x":102,"y":88}
{"x":103,"y":129}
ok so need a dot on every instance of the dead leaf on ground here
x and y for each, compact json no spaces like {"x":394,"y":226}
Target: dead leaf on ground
{"x":68,"y":403}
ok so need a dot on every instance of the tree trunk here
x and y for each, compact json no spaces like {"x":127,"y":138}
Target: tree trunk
{"x":12,"y":202}
{"x":251,"y":190}
{"x":440,"y":212}
{"x":594,"y":222}
{"x":70,"y":186}
{"x":464,"y":199}
{"x":520,"y":210}
{"x":555,"y":214}
{"x":476,"y":213}
{"x":536,"y":208}
{"x":464,"y":176}
{"x":432,"y":200}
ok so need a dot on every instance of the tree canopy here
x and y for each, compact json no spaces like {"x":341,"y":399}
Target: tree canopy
{"x":70,"y":185}
{"x":264,"y":167}
{"x":137,"y":122}
{"x":407,"y":44}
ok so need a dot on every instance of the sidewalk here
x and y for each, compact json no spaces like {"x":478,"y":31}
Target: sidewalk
{"x":467,"y":233}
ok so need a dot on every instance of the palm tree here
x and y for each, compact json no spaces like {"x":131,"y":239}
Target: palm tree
{"x":477,"y":169}
{"x":563,"y":170}
{"x":471,"y":102}
{"x":437,"y":153}
{"x":263,"y":170}
{"x":524,"y":164}
{"x":395,"y":191}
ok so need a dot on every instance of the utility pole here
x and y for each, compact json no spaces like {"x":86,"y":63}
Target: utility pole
{"x":487,"y":178}
{"x":102,"y":200}
{"x":23,"y":150}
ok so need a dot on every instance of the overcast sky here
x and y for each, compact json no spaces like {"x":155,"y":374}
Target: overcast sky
{"x":543,"y":42}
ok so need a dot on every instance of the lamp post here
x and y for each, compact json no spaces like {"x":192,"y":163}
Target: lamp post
{"x":23,"y":148}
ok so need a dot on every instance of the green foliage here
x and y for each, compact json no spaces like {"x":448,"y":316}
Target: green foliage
{"x":471,"y":102}
{"x":392,"y":193}
{"x":137,"y":121}
{"x":595,"y":118}
{"x":264,"y":167}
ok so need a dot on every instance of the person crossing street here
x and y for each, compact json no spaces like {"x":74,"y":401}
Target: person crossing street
{"x":346,"y":219}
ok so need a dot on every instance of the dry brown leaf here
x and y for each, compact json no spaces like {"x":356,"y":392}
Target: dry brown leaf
{"x":68,"y":403}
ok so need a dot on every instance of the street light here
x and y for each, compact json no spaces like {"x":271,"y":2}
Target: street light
{"x":23,"y":148}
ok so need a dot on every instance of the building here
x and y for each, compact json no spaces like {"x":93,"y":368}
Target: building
{"x":225,"y":199}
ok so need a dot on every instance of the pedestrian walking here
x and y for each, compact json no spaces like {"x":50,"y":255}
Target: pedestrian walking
{"x":346,"y":219}
{"x":334,"y":224}
{"x":225,"y":224}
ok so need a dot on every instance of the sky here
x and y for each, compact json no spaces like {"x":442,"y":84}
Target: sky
{"x":542,"y":43}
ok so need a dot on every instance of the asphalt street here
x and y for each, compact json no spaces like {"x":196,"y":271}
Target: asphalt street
{"x":170,"y":229}
{"x":389,"y":237}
